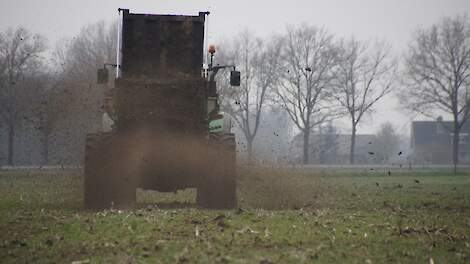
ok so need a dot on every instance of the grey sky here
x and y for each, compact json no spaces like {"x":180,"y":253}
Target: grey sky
{"x":391,"y":20}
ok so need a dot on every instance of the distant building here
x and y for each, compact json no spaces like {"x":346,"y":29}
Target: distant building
{"x":431,"y":142}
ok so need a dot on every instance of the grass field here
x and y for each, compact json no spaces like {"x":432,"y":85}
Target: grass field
{"x":286,"y":216}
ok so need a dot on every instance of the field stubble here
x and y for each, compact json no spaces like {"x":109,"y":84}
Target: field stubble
{"x":286,"y":215}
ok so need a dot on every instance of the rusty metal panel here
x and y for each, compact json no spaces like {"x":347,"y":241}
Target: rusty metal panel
{"x":156,"y":46}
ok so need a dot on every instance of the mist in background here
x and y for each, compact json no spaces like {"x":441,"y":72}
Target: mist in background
{"x":392,"y":22}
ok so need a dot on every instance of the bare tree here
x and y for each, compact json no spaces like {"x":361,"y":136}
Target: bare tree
{"x":438,"y":73}
{"x":258,"y":61}
{"x":19,"y":59}
{"x":76,"y":93}
{"x":79,"y":58}
{"x":308,"y":59}
{"x":364,"y":75}
{"x":50,"y":105}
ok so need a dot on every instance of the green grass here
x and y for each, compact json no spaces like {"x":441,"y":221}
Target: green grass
{"x":288,"y":216}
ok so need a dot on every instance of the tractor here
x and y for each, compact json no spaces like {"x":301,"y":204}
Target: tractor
{"x":167,"y":131}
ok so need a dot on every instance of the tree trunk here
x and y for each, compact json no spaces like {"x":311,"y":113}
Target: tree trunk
{"x":306,"y":146}
{"x":249,"y":149}
{"x":353,"y":145}
{"x":46,"y":149}
{"x":11,"y":138}
{"x":455,"y":146}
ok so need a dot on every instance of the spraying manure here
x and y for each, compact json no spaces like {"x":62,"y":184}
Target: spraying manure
{"x":163,"y":129}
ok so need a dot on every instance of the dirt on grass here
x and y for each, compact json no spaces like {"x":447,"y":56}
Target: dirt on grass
{"x":286,"y":215}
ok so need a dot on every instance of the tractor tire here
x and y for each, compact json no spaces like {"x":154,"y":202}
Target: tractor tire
{"x":218,"y":189}
{"x":108,"y":180}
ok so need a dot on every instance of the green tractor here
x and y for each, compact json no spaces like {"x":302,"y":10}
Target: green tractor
{"x":167,"y":132}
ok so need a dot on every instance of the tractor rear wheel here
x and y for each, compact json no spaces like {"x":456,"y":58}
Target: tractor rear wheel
{"x":108,"y":180}
{"x":218,"y":187}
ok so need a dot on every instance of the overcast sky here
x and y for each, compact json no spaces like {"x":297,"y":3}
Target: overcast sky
{"x":390,"y":20}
